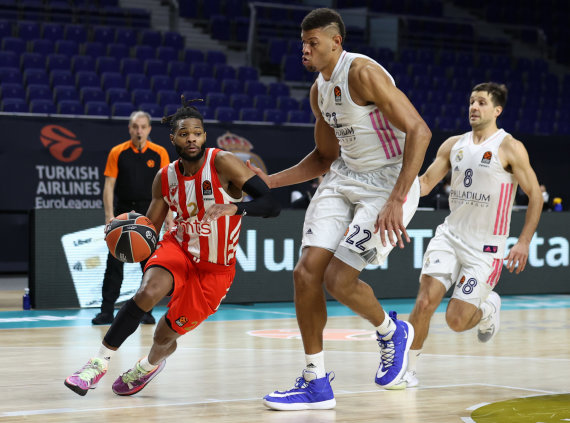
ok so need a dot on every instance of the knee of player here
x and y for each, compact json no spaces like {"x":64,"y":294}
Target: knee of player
{"x":455,"y":322}
{"x":304,"y":278}
{"x":424,"y":305}
{"x":337,"y":286}
{"x":163,"y":339}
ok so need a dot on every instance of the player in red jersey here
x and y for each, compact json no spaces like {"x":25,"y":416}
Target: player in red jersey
{"x":195,"y":261}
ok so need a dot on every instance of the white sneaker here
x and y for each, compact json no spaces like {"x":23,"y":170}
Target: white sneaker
{"x":489,"y":326}
{"x":409,"y":380}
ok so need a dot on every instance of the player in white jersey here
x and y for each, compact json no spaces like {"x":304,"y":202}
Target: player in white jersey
{"x":360,"y":210}
{"x":194,"y":263}
{"x":468,"y":248}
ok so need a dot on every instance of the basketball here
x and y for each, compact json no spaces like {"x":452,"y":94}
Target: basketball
{"x":131,"y":237}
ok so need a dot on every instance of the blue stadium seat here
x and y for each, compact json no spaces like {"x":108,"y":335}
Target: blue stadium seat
{"x":154,"y":67}
{"x":42,"y":106}
{"x":214,"y":100}
{"x":250,"y":114}
{"x":107,"y":64}
{"x":96,"y":108}
{"x":232,"y":86}
{"x":241,"y":28}
{"x":524,"y":127}
{"x":82,"y":63}
{"x":176,"y":68}
{"x":225,"y":114}
{"x":166,"y":53}
{"x":64,"y":92}
{"x":127,"y":36}
{"x":544,"y":127}
{"x":247,"y":73}
{"x":112,"y":80}
{"x":305,"y":104}
{"x":12,"y":90}
{"x":206,"y":112}
{"x":14,"y":105}
{"x":152,"y":109}
{"x":144,"y":52}
{"x":150,"y":37}
{"x":52,"y":31}
{"x":222,"y":71}
{"x":131,"y":65}
{"x":89,"y":94}
{"x":161,"y":82}
{"x":193,"y":56}
{"x":104,"y":34}
{"x":9,"y":59}
{"x":58,"y":62}
{"x":5,"y":28}
{"x":94,"y":49}
{"x":208,"y":85}
{"x":276,"y":49}
{"x":185,"y":83}
{"x":292,"y":69}
{"x":28,"y":30}
{"x":76,"y":32}
{"x":117,"y":95}
{"x":215,"y":57}
{"x":61,"y":77}
{"x":219,"y":27}
{"x":66,"y":47}
{"x":446,"y":123}
{"x":35,"y":76}
{"x":264,"y":101}
{"x":201,"y":70}
{"x":13,"y":44}
{"x":254,"y":88}
{"x":70,"y":107}
{"x":137,"y":81}
{"x":173,"y":39}
{"x":278,"y":89}
{"x":44,"y":47}
{"x":122,"y":108}
{"x":286,"y":103}
{"x":32,"y":61}
{"x":298,"y":116}
{"x":141,"y":95}
{"x":191,"y":95}
{"x":38,"y":92}
{"x":171,"y":108}
{"x":240,"y":101}
{"x":273,"y":115}
{"x":117,"y":50}
{"x":164,"y":97}
{"x":87,"y":79}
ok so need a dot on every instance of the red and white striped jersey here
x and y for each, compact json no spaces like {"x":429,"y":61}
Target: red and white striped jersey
{"x":482,"y":193}
{"x":189,"y":197}
{"x":368,"y":141}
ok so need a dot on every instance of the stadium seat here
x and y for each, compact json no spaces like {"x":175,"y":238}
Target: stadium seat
{"x":12,"y":90}
{"x":131,"y":65}
{"x":82,"y":63}
{"x":176,"y":69}
{"x":28,"y":30}
{"x":150,"y":37}
{"x":201,"y":70}
{"x":292,"y":69}
{"x":70,"y":107}
{"x":253,"y":88}
{"x":35,"y":76}
{"x":166,"y":53}
{"x":52,"y":31}
{"x":185,"y":83}
{"x":247,"y":73}
{"x":38,"y":92}
{"x":250,"y":114}
{"x":232,"y":86}
{"x":32,"y":61}
{"x":298,"y":116}
{"x":140,"y":96}
{"x":165,"y":97}
{"x":87,"y":79}
{"x":66,"y":47}
{"x":90,"y":94}
{"x":9,"y":59}
{"x":94,"y":49}
{"x":104,"y":34}
{"x":225,"y":114}
{"x":273,"y":115}
{"x":122,"y":108}
{"x":14,"y":105}
{"x":286,"y":103}
{"x":240,"y":101}
{"x":206,"y":112}
{"x":64,"y":92}
{"x":96,"y":108}
{"x":152,"y":109}
{"x":154,"y":67}
{"x":222,"y":71}
{"x":117,"y":95}
{"x":112,"y":80}
{"x":137,"y":81}
{"x":106,"y":64}
{"x":76,"y":32}
{"x":278,"y":89}
{"x":171,"y":108}
{"x":215,"y":57}
{"x":42,"y":106}
{"x":58,"y":62}
{"x":161,"y":82}
{"x":144,"y":52}
{"x":208,"y":85}
{"x":44,"y":47}
{"x":13,"y":44}
{"x":173,"y":39}
{"x":127,"y":36}
{"x":264,"y":101}
{"x":116,"y":50}
{"x":61,"y":77}
{"x":215,"y":100}
{"x":193,"y":56}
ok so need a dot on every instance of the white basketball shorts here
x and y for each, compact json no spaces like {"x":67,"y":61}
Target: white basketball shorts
{"x":344,"y":210}
{"x":451,"y":261}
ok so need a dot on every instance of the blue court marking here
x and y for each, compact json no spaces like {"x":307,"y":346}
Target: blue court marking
{"x":231,"y":312}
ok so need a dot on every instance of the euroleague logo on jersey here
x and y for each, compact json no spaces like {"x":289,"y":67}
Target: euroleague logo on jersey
{"x":487,"y":157}
{"x":337,"y":95}
{"x":207,"y":187}
{"x":61,"y":143}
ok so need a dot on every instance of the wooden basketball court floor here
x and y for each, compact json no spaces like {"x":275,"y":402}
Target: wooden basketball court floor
{"x":221,"y":370}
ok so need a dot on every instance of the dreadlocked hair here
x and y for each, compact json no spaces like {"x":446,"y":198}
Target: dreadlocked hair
{"x":185,"y":112}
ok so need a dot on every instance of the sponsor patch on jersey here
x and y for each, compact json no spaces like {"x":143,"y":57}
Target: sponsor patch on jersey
{"x":181,"y":321}
{"x":459,"y":156}
{"x":461,"y":281}
{"x":150,"y":163}
{"x":206,"y":187}
{"x":337,"y":95}
{"x":490,"y":248}
{"x":487,"y":157}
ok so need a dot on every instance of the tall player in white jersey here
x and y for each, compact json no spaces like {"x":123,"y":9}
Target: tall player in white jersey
{"x":194,"y":263}
{"x":468,"y":248}
{"x":360,"y":210}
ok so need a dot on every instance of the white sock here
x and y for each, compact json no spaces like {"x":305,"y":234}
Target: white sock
{"x":105,"y":354}
{"x":316,"y":363}
{"x":145,"y":364}
{"x":387,"y":328}
{"x":486,"y":309}
{"x":413,"y":358}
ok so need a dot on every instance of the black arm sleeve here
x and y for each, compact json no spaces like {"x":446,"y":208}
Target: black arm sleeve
{"x":263,"y":203}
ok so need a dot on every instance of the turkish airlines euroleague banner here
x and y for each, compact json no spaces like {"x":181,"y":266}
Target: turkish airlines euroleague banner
{"x":59,"y":162}
{"x":69,"y":253}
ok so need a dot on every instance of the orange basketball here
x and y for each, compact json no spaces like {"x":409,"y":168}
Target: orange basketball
{"x":131,"y":237}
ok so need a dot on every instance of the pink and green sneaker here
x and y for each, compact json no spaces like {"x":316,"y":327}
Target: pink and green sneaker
{"x":135,"y":379}
{"x":87,"y":377}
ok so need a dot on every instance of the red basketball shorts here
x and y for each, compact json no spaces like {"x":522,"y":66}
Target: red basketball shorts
{"x":199,"y":288}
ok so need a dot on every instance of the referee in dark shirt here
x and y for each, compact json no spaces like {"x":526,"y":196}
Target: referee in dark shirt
{"x":130,"y":171}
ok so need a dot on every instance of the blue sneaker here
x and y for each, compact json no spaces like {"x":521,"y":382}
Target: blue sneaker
{"x":308,"y":393}
{"x":394,"y":353}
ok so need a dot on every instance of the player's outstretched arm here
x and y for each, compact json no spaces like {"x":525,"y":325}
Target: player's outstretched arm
{"x":439,"y":167}
{"x":108,"y":198}
{"x":317,"y":162}
{"x":158,"y":208}
{"x":517,"y":159}
{"x":239,"y":177}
